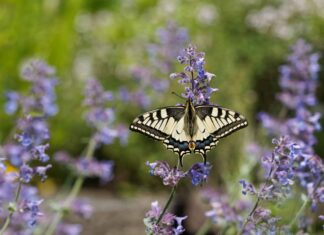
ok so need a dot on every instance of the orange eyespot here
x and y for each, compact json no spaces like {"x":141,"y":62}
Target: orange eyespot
{"x":192,"y":145}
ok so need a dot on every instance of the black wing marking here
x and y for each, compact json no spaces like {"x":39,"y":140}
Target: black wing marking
{"x":178,"y":141}
{"x":214,"y":123}
{"x":159,"y":123}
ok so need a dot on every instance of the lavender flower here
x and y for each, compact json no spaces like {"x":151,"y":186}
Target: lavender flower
{"x":31,"y":210}
{"x":91,"y":168}
{"x":69,"y":229}
{"x":82,"y":208}
{"x":101,"y":117}
{"x":171,"y":39}
{"x":95,"y":94}
{"x":161,"y":55}
{"x":170,"y":176}
{"x":247,"y":188}
{"x":28,"y":155}
{"x":41,"y":171}
{"x":12,"y":102}
{"x":87,"y":167}
{"x":26,"y":173}
{"x":34,"y":130}
{"x":222,"y":212}
{"x":262,"y":222}
{"x":199,"y":173}
{"x":298,"y":82}
{"x":42,"y":78}
{"x":169,"y":224}
{"x":194,"y":77}
{"x":293,"y":158}
{"x":197,"y":88}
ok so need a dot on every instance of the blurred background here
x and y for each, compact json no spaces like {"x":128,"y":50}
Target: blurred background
{"x":122,"y":44}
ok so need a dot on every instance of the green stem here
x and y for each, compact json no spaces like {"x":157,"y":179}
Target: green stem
{"x":300,"y":211}
{"x":73,"y":193}
{"x":167,"y":204}
{"x":250,"y":215}
{"x":8,"y":219}
{"x":306,"y":202}
{"x":258,"y":198}
{"x":170,"y":198}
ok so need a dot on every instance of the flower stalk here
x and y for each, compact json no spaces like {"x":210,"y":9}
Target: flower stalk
{"x":73,"y":193}
{"x":168,"y":203}
{"x":11,"y":211}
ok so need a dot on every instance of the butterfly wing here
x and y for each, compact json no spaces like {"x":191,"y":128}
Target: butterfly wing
{"x":160,"y":123}
{"x":178,"y":141}
{"x":167,"y":125}
{"x":213,"y":123}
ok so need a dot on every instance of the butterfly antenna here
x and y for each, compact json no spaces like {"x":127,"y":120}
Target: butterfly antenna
{"x":177,"y":95}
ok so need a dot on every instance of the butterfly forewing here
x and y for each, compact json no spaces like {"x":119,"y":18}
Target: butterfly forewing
{"x":159,"y":123}
{"x":213,"y":123}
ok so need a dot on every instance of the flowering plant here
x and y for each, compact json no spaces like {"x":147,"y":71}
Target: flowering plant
{"x":291,"y":163}
{"x":25,"y":158}
{"x":199,"y":91}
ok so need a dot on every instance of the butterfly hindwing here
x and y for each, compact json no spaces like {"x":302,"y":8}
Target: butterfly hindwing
{"x":213,"y":123}
{"x":159,"y":123}
{"x":178,"y":141}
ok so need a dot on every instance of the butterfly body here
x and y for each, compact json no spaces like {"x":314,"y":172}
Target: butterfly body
{"x":189,"y":128}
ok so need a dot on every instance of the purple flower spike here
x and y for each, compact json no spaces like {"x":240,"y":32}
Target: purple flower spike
{"x":170,"y":176}
{"x":26,"y":173}
{"x":95,"y":94}
{"x":194,"y":77}
{"x":169,"y":224}
{"x":247,"y":188}
{"x":82,"y":208}
{"x":179,"y":229}
{"x":69,"y":229}
{"x":31,"y":209}
{"x":94,"y":168}
{"x":29,"y":149}
{"x":12,"y":102}
{"x":99,"y":116}
{"x":41,"y":171}
{"x":39,"y":153}
{"x":199,"y":173}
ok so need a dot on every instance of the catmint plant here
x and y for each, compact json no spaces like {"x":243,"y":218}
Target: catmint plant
{"x":101,"y":118}
{"x":157,"y":220}
{"x":194,"y":78}
{"x":25,"y":158}
{"x":293,"y":160}
{"x":290,"y":163}
{"x":23,"y":155}
{"x":170,"y":40}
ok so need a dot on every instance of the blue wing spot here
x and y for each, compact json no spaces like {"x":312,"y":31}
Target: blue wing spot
{"x":204,"y":143}
{"x":183,"y":146}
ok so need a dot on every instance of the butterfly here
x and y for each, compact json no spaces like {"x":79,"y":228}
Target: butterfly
{"x":189,"y":128}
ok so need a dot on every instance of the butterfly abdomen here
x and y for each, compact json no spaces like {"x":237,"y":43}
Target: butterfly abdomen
{"x":190,"y":120}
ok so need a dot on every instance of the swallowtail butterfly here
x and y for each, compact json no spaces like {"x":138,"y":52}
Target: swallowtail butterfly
{"x":189,"y":128}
